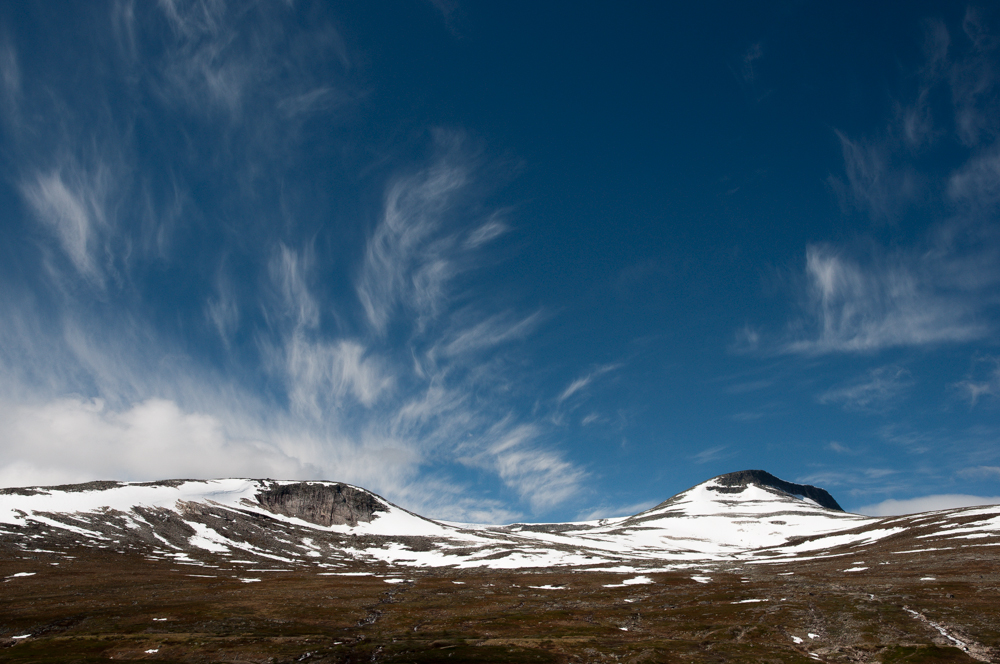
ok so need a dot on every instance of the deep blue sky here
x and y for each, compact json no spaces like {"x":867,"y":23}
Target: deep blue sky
{"x":503,"y":261}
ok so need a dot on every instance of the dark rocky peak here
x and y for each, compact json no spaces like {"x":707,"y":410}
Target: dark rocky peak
{"x":736,"y":482}
{"x":322,"y":503}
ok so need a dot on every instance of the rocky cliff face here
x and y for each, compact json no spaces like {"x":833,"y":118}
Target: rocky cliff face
{"x":324,"y":504}
{"x":735,"y":482}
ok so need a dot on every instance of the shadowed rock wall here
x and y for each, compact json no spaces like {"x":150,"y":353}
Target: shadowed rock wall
{"x":322,"y":504}
{"x":742,"y":478}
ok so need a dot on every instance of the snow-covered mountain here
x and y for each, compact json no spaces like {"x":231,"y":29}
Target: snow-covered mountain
{"x":748,"y":516}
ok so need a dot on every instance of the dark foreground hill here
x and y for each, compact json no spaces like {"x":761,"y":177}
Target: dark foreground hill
{"x":743,"y":567}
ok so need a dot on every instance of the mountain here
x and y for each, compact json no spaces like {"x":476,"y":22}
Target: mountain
{"x":745,"y":515}
{"x":742,"y":567}
{"x":738,"y":481}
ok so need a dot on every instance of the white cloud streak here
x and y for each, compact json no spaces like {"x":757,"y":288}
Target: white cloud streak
{"x":408,"y":261}
{"x":206,"y":66}
{"x":584,"y":381}
{"x":978,"y":182}
{"x":492,"y":332}
{"x":71,"y":202}
{"x":942,"y":289}
{"x":711,"y":454}
{"x":873,"y":391}
{"x":981,"y":472}
{"x":385,"y":391}
{"x":540,"y":476}
{"x":10,"y":78}
{"x":223,"y":310}
{"x":75,"y":440}
{"x":982,"y":383}
{"x":874,"y":183}
{"x":926,"y":504}
{"x":898,"y":301}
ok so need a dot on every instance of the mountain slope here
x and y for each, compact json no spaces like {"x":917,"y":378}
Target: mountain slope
{"x":748,"y":515}
{"x":743,"y":567}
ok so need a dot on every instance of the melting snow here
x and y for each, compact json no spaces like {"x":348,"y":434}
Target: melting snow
{"x":639,"y":580}
{"x":697,"y":526}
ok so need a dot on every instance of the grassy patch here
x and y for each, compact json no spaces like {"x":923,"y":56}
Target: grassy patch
{"x":924,"y":654}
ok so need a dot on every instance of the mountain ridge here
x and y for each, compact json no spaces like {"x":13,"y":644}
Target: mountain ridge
{"x":354,"y":507}
{"x":320,"y":551}
{"x":746,"y":515}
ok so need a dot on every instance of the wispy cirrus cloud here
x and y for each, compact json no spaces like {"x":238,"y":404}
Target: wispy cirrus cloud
{"x":858,"y":481}
{"x":229,"y":58}
{"x":319,"y":370}
{"x":980,"y":472}
{"x":584,"y":381}
{"x":10,"y":81}
{"x":541,"y":476}
{"x":982,"y":382}
{"x":417,"y":250}
{"x":72,"y":202}
{"x":712,"y":454}
{"x":977,"y":183}
{"x":904,"y":300}
{"x":382,"y":379}
{"x":973,"y":79}
{"x":941,"y":288}
{"x":872,"y":391}
{"x":489,"y":333}
{"x":874,"y":183}
{"x":223,"y":309}
{"x":411,"y":258}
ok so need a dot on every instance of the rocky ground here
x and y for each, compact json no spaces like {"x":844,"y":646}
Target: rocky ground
{"x":87,"y":604}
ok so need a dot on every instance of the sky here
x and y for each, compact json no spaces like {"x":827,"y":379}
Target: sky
{"x":501,"y":262}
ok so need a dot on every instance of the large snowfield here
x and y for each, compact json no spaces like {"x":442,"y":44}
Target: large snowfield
{"x":711,"y":522}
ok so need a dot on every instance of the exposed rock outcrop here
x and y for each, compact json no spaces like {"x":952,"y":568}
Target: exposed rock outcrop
{"x":737,"y":481}
{"x":322,"y":503}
